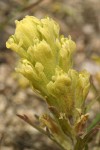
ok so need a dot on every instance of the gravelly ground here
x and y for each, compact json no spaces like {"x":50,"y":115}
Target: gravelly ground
{"x":79,"y":19}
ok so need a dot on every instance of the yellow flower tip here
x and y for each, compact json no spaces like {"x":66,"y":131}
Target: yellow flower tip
{"x":17,"y":22}
{"x":84,"y":77}
{"x":39,"y":67}
{"x":72,"y":44}
{"x":9,"y":42}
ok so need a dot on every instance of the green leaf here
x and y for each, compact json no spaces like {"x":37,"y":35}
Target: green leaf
{"x":94,"y":123}
{"x":90,"y":134}
{"x":82,"y":142}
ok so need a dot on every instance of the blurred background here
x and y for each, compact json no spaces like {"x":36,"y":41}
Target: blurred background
{"x":78,"y":18}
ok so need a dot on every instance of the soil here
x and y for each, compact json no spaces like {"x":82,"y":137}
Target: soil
{"x":81,"y":20}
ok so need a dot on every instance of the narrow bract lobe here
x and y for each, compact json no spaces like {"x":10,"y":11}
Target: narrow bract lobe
{"x":46,"y":61}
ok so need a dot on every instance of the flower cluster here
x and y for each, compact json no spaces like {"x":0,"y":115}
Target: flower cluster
{"x":46,"y":61}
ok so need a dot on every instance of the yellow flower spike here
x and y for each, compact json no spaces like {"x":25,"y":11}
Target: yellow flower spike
{"x":49,"y":60}
{"x":46,"y":61}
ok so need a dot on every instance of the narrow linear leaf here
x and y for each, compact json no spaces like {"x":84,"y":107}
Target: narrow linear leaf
{"x":90,"y":134}
{"x":94,"y":123}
